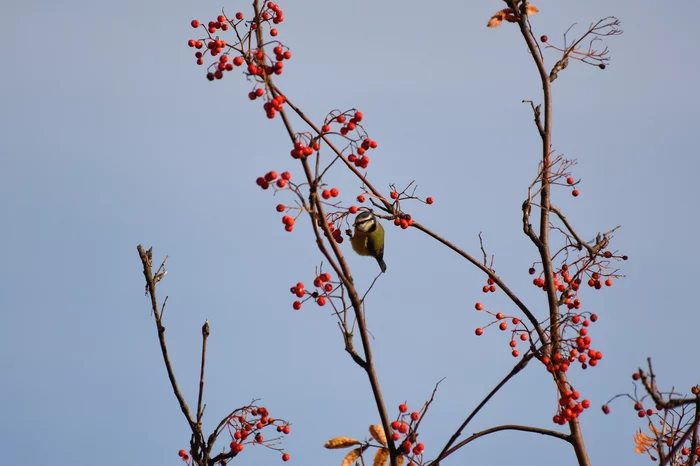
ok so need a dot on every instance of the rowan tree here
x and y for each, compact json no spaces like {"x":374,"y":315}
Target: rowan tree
{"x":570,"y":263}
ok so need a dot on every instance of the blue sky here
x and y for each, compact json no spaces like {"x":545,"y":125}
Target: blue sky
{"x":111,"y":137}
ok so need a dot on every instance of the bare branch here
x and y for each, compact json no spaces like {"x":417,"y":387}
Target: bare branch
{"x":535,"y":430}
{"x":446,"y":450}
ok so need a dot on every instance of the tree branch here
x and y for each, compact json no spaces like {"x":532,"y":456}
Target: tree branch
{"x":534,"y":430}
{"x":446,"y":450}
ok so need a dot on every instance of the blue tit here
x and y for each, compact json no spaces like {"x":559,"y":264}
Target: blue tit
{"x":368,"y":238}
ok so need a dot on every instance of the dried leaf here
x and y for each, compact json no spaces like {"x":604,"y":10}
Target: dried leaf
{"x":377,"y":433}
{"x":400,"y":460}
{"x":495,"y":21}
{"x":351,"y":457}
{"x":531,"y":9}
{"x":498,"y":18}
{"x":643,"y":442}
{"x":381,"y":457}
{"x":512,"y":18}
{"x":653,"y":429}
{"x":341,"y":442}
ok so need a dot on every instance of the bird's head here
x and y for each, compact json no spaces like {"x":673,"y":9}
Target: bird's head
{"x":365,"y":221}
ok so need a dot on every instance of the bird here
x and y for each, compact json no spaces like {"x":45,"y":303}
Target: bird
{"x":368,"y":238}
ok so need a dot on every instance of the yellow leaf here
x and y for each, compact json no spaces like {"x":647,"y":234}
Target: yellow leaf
{"x":381,"y":457}
{"x":531,"y":9}
{"x":377,"y":433}
{"x":351,"y":457}
{"x":341,"y":442}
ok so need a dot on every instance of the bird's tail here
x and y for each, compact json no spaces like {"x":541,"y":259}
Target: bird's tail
{"x":382,"y":264}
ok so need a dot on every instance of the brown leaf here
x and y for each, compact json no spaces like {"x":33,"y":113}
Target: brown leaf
{"x":495,"y":21}
{"x":498,"y":18}
{"x":341,"y":442}
{"x":531,"y":9}
{"x":377,"y":433}
{"x":351,"y":457}
{"x":381,"y":457}
{"x":643,"y":442}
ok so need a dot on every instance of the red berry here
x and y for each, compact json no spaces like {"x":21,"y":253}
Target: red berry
{"x":273,"y":32}
{"x":239,"y":16}
{"x":605,"y":409}
{"x":403,"y":407}
{"x":429,"y":200}
{"x":286,"y":457}
{"x":575,"y":193}
{"x":326,"y":194}
{"x":479,"y":331}
{"x":503,"y":326}
{"x":321,"y":301}
{"x":195,"y":24}
{"x":352,"y":209}
{"x":394,"y":195}
{"x":335,"y":192}
{"x":360,"y":198}
{"x":544,"y":38}
{"x":479,"y":306}
{"x":182,"y":453}
{"x":296,"y":305}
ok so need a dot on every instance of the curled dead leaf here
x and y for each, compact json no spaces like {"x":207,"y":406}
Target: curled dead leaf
{"x":498,"y":18}
{"x":351,"y":457}
{"x":341,"y":442}
{"x":377,"y":433}
{"x":381,"y":457}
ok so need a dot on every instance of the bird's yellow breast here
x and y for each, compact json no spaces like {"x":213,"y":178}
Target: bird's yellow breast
{"x":359,"y":243}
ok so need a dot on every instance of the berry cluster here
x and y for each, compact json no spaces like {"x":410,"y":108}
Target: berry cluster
{"x":361,"y":145}
{"x":259,"y":64}
{"x":325,"y":287}
{"x":518,"y":333}
{"x":271,"y":176}
{"x":490,"y":286}
{"x":302,"y":150}
{"x":246,"y":423}
{"x":569,"y":284}
{"x":569,"y":407}
{"x":404,"y":427}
